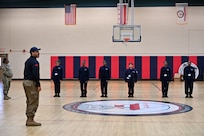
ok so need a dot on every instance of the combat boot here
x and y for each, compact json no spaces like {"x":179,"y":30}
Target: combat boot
{"x":6,"y":97}
{"x":30,"y":122}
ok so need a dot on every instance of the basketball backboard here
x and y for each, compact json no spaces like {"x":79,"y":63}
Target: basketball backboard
{"x":123,"y":32}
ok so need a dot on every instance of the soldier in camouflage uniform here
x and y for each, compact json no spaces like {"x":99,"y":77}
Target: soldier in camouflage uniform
{"x":6,"y":77}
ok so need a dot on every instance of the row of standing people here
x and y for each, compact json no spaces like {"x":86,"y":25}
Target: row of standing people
{"x":32,"y":86}
{"x":131,"y":75}
{"x":104,"y":76}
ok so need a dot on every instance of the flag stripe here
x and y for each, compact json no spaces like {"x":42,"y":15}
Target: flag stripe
{"x":70,"y":14}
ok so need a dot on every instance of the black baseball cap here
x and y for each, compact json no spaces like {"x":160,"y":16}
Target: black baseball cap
{"x":33,"y":49}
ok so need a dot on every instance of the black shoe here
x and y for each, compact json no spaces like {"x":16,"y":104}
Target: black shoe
{"x":55,"y":95}
{"x":191,"y":96}
{"x":58,"y":95}
{"x":186,"y":96}
{"x":129,"y":96}
{"x":163,"y":96}
{"x":105,"y":96}
{"x":166,"y":96}
{"x":102,"y":96}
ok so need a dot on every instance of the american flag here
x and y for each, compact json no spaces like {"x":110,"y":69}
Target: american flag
{"x":70,"y":14}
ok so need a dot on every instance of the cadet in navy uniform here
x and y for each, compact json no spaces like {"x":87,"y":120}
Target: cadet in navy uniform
{"x":104,"y":76}
{"x":83,"y":78}
{"x":32,"y":87}
{"x":189,"y":78}
{"x":131,"y":78}
{"x":165,"y":78}
{"x":56,"y":77}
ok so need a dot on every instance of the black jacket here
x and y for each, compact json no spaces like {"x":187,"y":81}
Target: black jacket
{"x":165,"y":74}
{"x":189,"y":73}
{"x":57,"y":73}
{"x":83,"y":74}
{"x":104,"y":73}
{"x":131,"y":75}
{"x":31,"y":70}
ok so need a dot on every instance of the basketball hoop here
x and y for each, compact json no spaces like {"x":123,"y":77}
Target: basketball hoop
{"x":125,"y":40}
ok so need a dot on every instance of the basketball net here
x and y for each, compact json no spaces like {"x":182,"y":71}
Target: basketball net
{"x":125,"y":41}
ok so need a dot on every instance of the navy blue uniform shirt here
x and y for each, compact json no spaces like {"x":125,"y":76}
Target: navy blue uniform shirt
{"x":83,"y":74}
{"x":189,"y":73}
{"x":131,"y":75}
{"x":104,"y":73}
{"x":165,"y":74}
{"x":31,"y":71}
{"x":57,"y":73}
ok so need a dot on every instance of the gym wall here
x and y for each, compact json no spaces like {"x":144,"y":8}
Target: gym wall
{"x":22,"y":28}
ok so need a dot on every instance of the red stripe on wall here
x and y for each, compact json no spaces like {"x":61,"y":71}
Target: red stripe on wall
{"x":86,"y":58}
{"x":176,"y":64}
{"x":125,"y":14}
{"x":99,"y":63}
{"x":193,"y":59}
{"x":146,"y":67}
{"x":69,"y":67}
{"x":53,"y":63}
{"x":130,"y":59}
{"x":160,"y":64}
{"x":114,"y":67}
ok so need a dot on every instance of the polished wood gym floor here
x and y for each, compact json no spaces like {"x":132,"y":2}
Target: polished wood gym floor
{"x":58,"y":122}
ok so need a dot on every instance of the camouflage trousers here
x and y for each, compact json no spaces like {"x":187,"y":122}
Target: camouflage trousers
{"x":6,"y":83}
{"x":32,"y":96}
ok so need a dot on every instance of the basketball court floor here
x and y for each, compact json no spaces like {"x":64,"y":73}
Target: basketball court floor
{"x":56,"y":121}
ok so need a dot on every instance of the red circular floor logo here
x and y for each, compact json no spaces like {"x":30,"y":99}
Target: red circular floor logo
{"x":127,"y":107}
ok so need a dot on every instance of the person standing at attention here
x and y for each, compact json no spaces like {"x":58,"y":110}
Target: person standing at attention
{"x":57,"y":77}
{"x":32,"y":86}
{"x":83,"y":78}
{"x":189,"y":78}
{"x":131,"y":79}
{"x":104,"y":76}
{"x":6,"y":77}
{"x":165,"y":78}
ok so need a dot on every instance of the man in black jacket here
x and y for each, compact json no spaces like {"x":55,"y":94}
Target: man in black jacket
{"x":32,"y":86}
{"x":131,"y":79}
{"x":104,"y":76}
{"x":83,"y":78}
{"x":165,"y":78}
{"x":189,"y":78}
